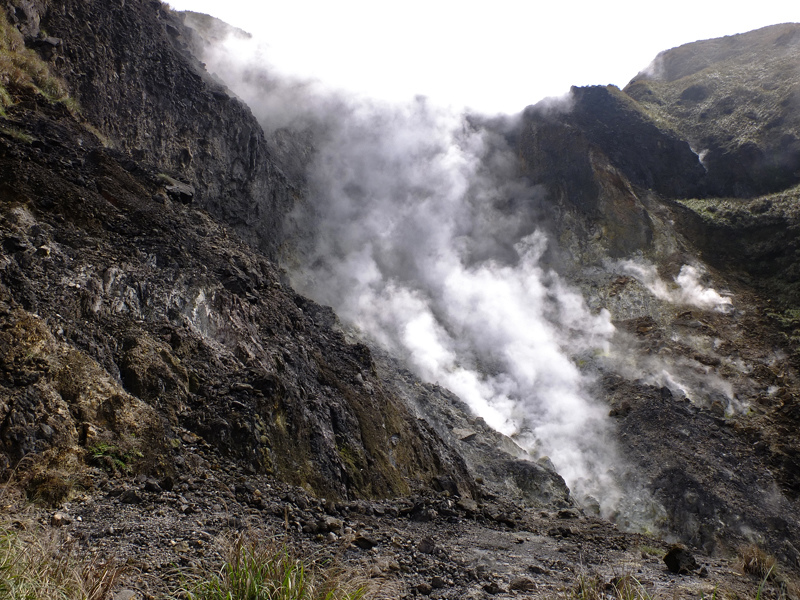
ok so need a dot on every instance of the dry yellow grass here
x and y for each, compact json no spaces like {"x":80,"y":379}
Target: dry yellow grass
{"x":38,"y":562}
{"x":21,"y":68}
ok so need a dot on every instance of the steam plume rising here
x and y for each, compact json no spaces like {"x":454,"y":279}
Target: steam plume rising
{"x":689,"y":289}
{"x":410,"y":233}
{"x":413,"y":247}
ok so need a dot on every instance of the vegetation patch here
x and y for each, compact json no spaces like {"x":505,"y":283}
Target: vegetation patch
{"x":40,"y":563}
{"x":13,"y":132}
{"x":789,"y":322}
{"x":49,"y":487}
{"x":625,"y":587}
{"x":754,"y":561}
{"x":113,"y":459}
{"x":43,"y":563}
{"x":23,"y":69}
{"x":651,"y":550}
{"x":771,"y":209}
{"x":256,"y":571}
{"x":5,"y":101}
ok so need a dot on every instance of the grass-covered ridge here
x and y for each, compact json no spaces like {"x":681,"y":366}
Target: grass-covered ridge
{"x":759,"y":235}
{"x":23,"y":69}
{"x":735,"y":100}
{"x":733,"y":90}
{"x":783,"y":206}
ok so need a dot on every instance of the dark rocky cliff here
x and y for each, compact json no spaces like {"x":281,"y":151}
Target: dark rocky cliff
{"x":144,"y":329}
{"x":128,"y":318}
{"x":128,"y":66}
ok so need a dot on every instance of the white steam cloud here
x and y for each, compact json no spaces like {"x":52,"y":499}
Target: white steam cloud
{"x":411,"y":246}
{"x":413,"y":231}
{"x":688,"y":288}
{"x":694,"y":372}
{"x":278,"y":100}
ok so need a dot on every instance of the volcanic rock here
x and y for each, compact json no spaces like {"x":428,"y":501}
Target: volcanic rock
{"x":680,"y":560}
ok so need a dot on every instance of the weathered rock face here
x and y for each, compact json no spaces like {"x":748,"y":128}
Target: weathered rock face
{"x":128,"y":316}
{"x":58,"y":406}
{"x":649,"y":156}
{"x":26,"y":15}
{"x":144,"y":93}
{"x":496,"y":460}
{"x":593,"y":153}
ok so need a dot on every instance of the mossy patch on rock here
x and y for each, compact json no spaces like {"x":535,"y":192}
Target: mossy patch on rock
{"x":22,"y":68}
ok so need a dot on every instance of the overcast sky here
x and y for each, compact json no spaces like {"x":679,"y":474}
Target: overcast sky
{"x":496,"y":56}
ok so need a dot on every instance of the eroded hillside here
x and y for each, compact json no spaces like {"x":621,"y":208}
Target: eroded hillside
{"x":156,"y":362}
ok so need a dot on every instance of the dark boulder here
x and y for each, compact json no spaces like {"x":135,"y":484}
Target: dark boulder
{"x":680,"y":560}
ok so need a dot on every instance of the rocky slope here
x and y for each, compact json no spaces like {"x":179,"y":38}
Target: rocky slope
{"x":705,"y":390}
{"x":735,"y":101}
{"x":127,"y":313}
{"x":160,"y":380}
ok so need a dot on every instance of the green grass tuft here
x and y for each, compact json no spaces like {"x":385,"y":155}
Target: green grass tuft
{"x":5,"y":101}
{"x":262,"y":572}
{"x":14,"y":132}
{"x":651,"y":550}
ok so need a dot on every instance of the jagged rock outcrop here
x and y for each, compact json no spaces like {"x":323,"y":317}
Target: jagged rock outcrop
{"x":144,"y":93}
{"x":594,"y":155}
{"x":494,"y":459}
{"x":605,"y":119}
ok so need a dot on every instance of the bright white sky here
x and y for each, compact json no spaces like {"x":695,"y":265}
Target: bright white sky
{"x":496,"y":56}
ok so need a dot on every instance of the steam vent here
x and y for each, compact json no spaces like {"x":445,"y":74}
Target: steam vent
{"x":394,"y":351}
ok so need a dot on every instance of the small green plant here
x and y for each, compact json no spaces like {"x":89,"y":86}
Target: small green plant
{"x":587,"y":588}
{"x":628,"y":587}
{"x":39,"y":563}
{"x":112,"y":458}
{"x":762,"y":584}
{"x":5,"y":101}
{"x":262,"y":572}
{"x":650,"y":550}
{"x":789,"y":321}
{"x":15,"y":133}
{"x":713,"y":595}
